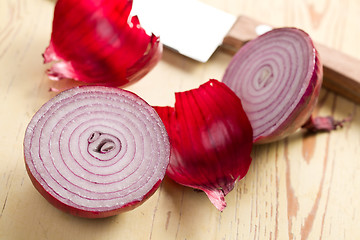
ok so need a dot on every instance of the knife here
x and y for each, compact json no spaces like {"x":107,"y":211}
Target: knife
{"x":196,"y":30}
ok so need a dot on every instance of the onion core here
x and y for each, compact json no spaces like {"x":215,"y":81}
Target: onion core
{"x":96,"y":151}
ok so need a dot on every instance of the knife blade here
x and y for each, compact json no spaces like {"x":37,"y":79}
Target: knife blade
{"x":196,"y":30}
{"x":177,"y":22}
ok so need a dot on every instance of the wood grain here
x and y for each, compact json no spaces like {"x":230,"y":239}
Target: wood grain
{"x":302,"y":187}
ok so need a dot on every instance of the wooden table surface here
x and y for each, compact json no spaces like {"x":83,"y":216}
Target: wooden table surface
{"x":303,"y":187}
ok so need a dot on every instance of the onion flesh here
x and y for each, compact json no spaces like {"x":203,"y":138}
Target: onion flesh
{"x":278,"y":77}
{"x":96,"y":41}
{"x":211,"y":140}
{"x":96,"y":151}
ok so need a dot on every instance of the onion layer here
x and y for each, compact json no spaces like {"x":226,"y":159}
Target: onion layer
{"x":278,"y":77}
{"x":95,"y":41}
{"x":211,"y":140}
{"x":96,"y":151}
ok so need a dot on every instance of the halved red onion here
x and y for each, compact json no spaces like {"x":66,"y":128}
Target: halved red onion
{"x":211,"y":140}
{"x":96,"y":151}
{"x":278,"y":77}
{"x":96,"y":41}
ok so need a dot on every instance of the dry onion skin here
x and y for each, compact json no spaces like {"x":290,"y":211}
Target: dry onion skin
{"x":98,"y":42}
{"x":96,"y":151}
{"x":278,"y":77}
{"x":211,"y":140}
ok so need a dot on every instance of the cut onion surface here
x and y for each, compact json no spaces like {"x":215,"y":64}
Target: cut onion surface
{"x":96,"y":41}
{"x":278,"y":77}
{"x":96,"y":151}
{"x":211,"y":140}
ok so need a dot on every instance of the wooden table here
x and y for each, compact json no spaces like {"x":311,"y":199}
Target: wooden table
{"x":303,"y":187}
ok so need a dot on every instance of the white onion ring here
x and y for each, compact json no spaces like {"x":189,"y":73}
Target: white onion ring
{"x":278,"y":77}
{"x":96,"y":151}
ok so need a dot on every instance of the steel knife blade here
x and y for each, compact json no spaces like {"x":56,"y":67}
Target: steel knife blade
{"x":190,"y":27}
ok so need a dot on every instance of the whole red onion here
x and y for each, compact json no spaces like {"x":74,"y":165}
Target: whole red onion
{"x":96,"y":151}
{"x":278,"y":77}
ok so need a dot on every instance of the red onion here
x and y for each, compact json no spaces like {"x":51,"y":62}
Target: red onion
{"x":278,"y":77}
{"x":211,"y":140}
{"x":96,"y":41}
{"x":96,"y":151}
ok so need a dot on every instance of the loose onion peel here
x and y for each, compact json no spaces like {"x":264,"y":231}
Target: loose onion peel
{"x":211,"y":140}
{"x":97,"y":42}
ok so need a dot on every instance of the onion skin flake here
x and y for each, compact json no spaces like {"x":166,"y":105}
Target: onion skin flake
{"x":96,"y":151}
{"x":211,"y":140}
{"x":97,"y":42}
{"x":278,"y":77}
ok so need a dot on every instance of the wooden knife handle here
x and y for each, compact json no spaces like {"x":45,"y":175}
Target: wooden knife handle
{"x":341,"y":72}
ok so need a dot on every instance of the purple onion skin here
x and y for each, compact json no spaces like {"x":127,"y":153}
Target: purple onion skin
{"x":304,"y":108}
{"x":211,"y":140}
{"x":117,"y":53}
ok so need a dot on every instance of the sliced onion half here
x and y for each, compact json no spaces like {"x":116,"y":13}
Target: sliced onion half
{"x":96,"y":151}
{"x":278,"y":77}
